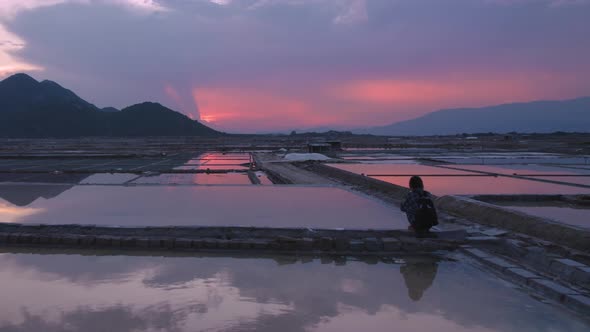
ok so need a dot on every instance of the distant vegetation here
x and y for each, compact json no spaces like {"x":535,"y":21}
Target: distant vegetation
{"x":45,"y":109}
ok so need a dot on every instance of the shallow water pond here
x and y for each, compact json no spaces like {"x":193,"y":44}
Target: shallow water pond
{"x":70,"y":292}
{"x":399,"y":169}
{"x":525,"y":169}
{"x":248,"y":205}
{"x":197,"y":178}
{"x":562,"y":214}
{"x":481,"y":185}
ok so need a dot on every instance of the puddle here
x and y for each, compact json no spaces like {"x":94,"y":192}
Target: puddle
{"x":205,"y":179}
{"x":587,"y":167}
{"x":388,"y":169}
{"x":212,"y":167}
{"x":59,"y":292}
{"x":525,"y":169}
{"x":390,"y":161}
{"x":217,"y":161}
{"x":272,"y":206}
{"x":583,"y":180}
{"x":213,"y":156}
{"x":566,"y":215}
{"x":482,"y":185}
{"x":375,"y":157}
{"x":119,"y":178}
{"x":513,"y":160}
{"x":55,"y":178}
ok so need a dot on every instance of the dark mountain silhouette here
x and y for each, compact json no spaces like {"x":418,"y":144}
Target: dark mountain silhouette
{"x":532,"y":117}
{"x":25,"y":195}
{"x":45,"y":109}
{"x":153,"y":119}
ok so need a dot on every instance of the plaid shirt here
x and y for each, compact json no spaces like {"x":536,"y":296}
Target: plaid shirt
{"x":410,"y":204}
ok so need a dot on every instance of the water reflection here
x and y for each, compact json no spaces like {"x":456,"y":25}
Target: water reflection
{"x":50,"y":185}
{"x":21,"y":195}
{"x":481,"y":185}
{"x":401,"y":169}
{"x":11,"y":213}
{"x":527,"y":169}
{"x":418,"y":277}
{"x":118,"y":318}
{"x":200,"y":178}
{"x":269,"y":206}
{"x":121,"y":293}
{"x":571,"y":215}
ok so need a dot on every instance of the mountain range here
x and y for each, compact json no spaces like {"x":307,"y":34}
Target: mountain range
{"x":532,"y":117}
{"x":29,"y":108}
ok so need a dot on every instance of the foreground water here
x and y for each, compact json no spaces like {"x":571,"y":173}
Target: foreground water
{"x":58,"y":292}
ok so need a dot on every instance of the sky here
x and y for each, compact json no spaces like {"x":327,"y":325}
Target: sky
{"x":276,"y":65}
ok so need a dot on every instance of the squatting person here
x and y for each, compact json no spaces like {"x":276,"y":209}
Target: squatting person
{"x":419,"y":207}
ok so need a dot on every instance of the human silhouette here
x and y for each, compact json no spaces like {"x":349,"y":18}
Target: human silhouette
{"x":418,"y":277}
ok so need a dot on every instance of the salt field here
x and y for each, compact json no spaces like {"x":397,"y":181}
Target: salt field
{"x":480,"y":185}
{"x":203,"y":179}
{"x":294,"y":166}
{"x":527,"y":169}
{"x":212,"y":167}
{"x":70,"y":292}
{"x":269,"y":206}
{"x":579,"y":180}
{"x":388,"y":169}
{"x":467,"y":179}
{"x":578,"y":217}
{"x":119,"y":178}
{"x":515,"y":158}
{"x":343,"y":237}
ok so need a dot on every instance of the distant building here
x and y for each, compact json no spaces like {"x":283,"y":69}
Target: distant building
{"x":319,"y":147}
{"x":335,"y":145}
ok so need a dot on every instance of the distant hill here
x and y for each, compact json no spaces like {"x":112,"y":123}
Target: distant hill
{"x":532,"y":117}
{"x":29,"y":108}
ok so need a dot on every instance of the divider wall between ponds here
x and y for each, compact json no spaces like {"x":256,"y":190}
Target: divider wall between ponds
{"x":226,"y":238}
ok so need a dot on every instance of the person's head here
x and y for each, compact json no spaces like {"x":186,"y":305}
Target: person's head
{"x":416,"y":183}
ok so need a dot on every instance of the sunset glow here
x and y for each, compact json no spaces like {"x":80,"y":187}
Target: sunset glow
{"x":346,"y":102}
{"x":12,"y":213}
{"x":228,"y":107}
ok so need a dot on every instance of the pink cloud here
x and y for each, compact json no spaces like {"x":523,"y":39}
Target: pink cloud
{"x":230,"y":108}
{"x":470,"y":89}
